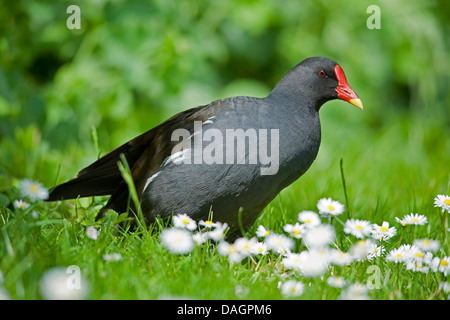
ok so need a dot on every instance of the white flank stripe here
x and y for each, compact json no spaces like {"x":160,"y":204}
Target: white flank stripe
{"x":150,"y":180}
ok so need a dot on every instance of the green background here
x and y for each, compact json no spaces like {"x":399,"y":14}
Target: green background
{"x":135,"y":63}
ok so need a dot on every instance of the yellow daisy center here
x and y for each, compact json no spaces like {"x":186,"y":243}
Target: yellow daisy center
{"x":330,"y":207}
{"x":414,"y":220}
{"x":399,"y":255}
{"x":444,"y":262}
{"x":34,"y":188}
{"x":185,"y":221}
{"x":419,"y":254}
{"x":307,"y":221}
{"x":267,"y":232}
{"x":384,"y":229}
{"x":447,"y":202}
{"x":359,"y":227}
{"x":296,"y":231}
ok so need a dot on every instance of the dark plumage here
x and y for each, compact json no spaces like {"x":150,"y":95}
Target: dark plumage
{"x":166,"y":186}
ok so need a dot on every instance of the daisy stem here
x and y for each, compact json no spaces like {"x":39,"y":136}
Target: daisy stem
{"x":444,"y":217}
{"x":411,"y":236}
{"x":347,"y":204}
{"x":401,"y":235}
{"x":297,"y":245}
{"x":340,"y":221}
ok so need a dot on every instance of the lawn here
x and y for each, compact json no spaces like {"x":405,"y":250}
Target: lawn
{"x":120,"y":264}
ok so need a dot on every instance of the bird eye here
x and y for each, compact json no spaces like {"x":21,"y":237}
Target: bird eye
{"x":322,"y":74}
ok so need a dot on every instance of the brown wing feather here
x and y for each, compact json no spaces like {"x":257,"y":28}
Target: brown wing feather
{"x":144,"y":155}
{"x":102,"y":176}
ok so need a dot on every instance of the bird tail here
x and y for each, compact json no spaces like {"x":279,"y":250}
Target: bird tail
{"x":85,"y":186}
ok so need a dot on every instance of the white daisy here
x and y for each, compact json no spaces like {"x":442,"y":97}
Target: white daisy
{"x":262,"y":232}
{"x":177,"y":241}
{"x":414,"y":219}
{"x":444,"y":286}
{"x":292,"y":260}
{"x":295,"y":230}
{"x":336,"y":282}
{"x":200,"y":237}
{"x":397,"y":255}
{"x":259,"y":248}
{"x":330,"y":207}
{"x":244,"y":245}
{"x":441,"y":265}
{"x":229,"y":250}
{"x":4,"y":294}
{"x":20,"y":204}
{"x":32,"y":190}
{"x":358,"y":228}
{"x":292,"y":288}
{"x":361,"y":249}
{"x":340,"y":258}
{"x":412,"y":252}
{"x":34,"y":214}
{"x":406,"y":248}
{"x":443,"y":202}
{"x":417,"y":266}
{"x":319,"y":236}
{"x":183,"y":221}
{"x":356,"y":291}
{"x":309,"y":219}
{"x":375,"y":251}
{"x":241,"y":292}
{"x":427,"y":244}
{"x":383,"y":232}
{"x":63,"y":284}
{"x":401,"y":221}
{"x":218,"y":234}
{"x":112,"y":257}
{"x":279,"y":243}
{"x":208,"y":224}
{"x":92,"y":233}
{"x":314,"y":263}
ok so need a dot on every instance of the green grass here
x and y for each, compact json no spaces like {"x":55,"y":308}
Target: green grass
{"x":135,"y":63}
{"x":389,"y":171}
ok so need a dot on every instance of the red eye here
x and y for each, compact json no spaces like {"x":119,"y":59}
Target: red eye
{"x":322,"y":74}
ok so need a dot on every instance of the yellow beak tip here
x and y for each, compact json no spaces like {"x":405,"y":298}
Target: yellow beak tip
{"x":357,"y":103}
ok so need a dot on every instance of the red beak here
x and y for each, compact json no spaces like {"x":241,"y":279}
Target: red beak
{"x":344,"y":91}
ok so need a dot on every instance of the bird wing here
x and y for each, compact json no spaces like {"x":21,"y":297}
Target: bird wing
{"x":144,"y":155}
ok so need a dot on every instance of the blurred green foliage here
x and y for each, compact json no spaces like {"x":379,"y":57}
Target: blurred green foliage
{"x":134,"y":63}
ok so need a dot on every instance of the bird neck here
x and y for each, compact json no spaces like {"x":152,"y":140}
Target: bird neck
{"x":288,"y":92}
{"x":295,"y":101}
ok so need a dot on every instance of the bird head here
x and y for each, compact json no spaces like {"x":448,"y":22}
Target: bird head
{"x":318,"y":80}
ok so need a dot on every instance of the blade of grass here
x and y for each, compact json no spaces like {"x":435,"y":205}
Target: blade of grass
{"x":128,"y":178}
{"x":94,"y":137}
{"x":241,"y":225}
